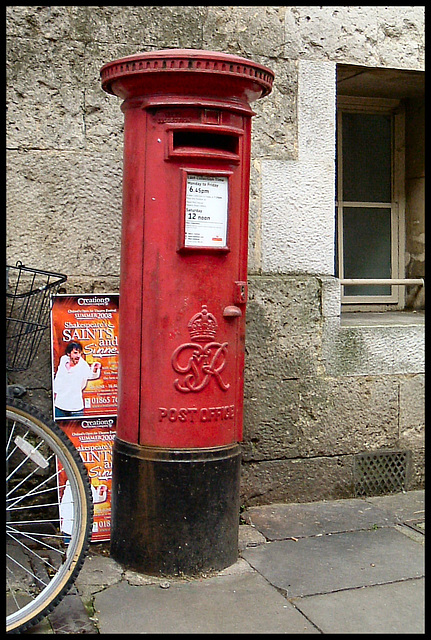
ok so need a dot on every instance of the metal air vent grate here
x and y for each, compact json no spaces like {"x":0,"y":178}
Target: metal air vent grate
{"x":380,"y":472}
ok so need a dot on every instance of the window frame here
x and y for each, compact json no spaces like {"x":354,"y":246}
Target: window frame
{"x":394,"y":108}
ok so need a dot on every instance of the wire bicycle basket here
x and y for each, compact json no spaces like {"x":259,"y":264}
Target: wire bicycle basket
{"x":28,"y":294}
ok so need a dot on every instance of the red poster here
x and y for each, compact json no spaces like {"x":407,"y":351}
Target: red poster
{"x":84,"y":345}
{"x":93,"y":438}
{"x":84,"y":340}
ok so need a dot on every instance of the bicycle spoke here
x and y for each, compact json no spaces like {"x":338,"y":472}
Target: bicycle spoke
{"x":9,"y":441}
{"x":10,"y":590}
{"x":38,"y":539}
{"x":44,"y":506}
{"x":26,"y":570}
{"x":32,"y":551}
{"x":19,"y":467}
{"x":31,"y":492}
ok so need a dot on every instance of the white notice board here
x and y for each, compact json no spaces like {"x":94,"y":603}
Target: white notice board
{"x":206,"y":211}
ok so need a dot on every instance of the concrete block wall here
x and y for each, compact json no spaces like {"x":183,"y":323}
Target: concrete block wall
{"x":313,"y":399}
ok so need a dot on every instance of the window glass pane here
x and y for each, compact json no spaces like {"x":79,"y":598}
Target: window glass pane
{"x":366,"y":157}
{"x":367,"y":248}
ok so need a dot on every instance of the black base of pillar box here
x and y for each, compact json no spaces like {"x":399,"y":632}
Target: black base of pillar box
{"x":175,"y":511}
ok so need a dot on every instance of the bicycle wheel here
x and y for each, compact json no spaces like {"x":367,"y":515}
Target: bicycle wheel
{"x":48,"y":515}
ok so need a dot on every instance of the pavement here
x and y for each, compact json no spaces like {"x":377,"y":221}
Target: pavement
{"x":342,"y":566}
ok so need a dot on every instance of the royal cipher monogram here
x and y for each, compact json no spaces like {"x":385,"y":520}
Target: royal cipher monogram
{"x":202,"y":359}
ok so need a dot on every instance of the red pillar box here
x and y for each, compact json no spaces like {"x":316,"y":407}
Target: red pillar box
{"x":183,"y":288}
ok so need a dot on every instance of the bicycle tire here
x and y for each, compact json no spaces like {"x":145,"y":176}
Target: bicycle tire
{"x":43,"y":559}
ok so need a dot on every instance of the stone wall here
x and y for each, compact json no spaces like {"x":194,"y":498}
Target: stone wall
{"x":318,"y":394}
{"x":309,"y":409}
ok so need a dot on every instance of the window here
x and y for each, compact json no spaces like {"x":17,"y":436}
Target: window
{"x":370,"y":200}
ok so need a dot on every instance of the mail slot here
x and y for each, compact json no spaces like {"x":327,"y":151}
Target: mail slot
{"x":193,"y":142}
{"x":183,"y":293}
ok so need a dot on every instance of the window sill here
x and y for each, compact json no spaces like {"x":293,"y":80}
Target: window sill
{"x":383,"y":319}
{"x":374,"y":343}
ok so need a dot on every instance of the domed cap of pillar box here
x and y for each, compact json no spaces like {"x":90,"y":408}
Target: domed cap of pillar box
{"x":187,"y":72}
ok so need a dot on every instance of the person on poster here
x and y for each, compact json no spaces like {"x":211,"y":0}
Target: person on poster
{"x":71,"y":378}
{"x":99,"y":494}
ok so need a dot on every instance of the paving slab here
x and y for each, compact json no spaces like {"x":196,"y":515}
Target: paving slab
{"x":408,"y":506}
{"x":281,"y":521}
{"x":43,"y":626}
{"x":323,"y":564}
{"x":96,"y":573}
{"x":249,"y":537}
{"x":346,"y":566}
{"x":398,"y":607}
{"x":71,"y":617}
{"x":232,"y":603}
